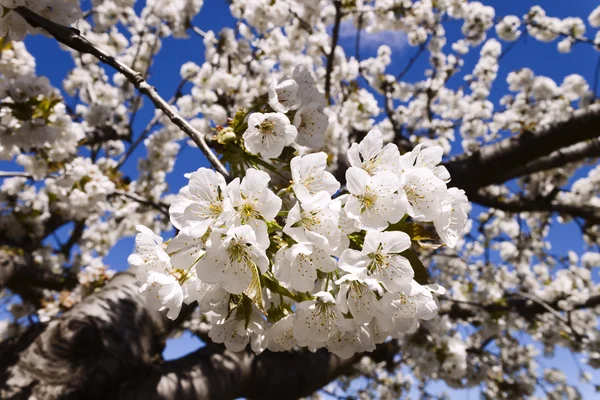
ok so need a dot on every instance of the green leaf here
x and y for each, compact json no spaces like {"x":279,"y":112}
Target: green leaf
{"x":246,"y":308}
{"x":421,"y":275}
{"x":273,"y":285}
{"x":254,"y":290}
{"x":357,"y":239}
{"x":275,"y":313}
{"x":424,"y":235}
{"x":233,"y":303}
{"x":5,"y":43}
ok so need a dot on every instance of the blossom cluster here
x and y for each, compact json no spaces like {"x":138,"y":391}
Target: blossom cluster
{"x":15,"y":27}
{"x":311,"y":263}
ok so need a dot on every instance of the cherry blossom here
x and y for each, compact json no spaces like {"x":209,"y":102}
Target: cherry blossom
{"x":268,"y":134}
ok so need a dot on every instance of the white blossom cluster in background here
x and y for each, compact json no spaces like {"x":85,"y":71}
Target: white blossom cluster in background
{"x":313,"y":264}
{"x":13,"y":26}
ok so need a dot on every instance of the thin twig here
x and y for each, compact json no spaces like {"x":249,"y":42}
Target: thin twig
{"x":163,"y":208}
{"x":551,"y":310}
{"x":73,"y":39}
{"x":11,"y":174}
{"x":596,"y":79}
{"x":334,"y":43}
{"x":358,"y":32}
{"x":150,"y":125}
{"x":201,"y":33}
{"x":412,"y":60}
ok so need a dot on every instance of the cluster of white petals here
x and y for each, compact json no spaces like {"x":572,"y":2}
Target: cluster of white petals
{"x":312,"y":265}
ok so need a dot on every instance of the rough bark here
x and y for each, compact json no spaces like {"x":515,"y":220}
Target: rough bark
{"x":215,"y":373}
{"x":22,"y":276}
{"x":106,"y":339}
{"x":489,"y":165}
{"x":562,"y":157}
{"x":524,"y":307}
{"x":589,"y":213}
{"x":110,"y":345}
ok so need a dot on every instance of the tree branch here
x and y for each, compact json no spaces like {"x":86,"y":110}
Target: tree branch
{"x":559,"y":158}
{"x":11,"y":174}
{"x":487,"y":165}
{"x":590,"y":213}
{"x":20,"y":275}
{"x":513,"y":303}
{"x":334,"y":42}
{"x":215,"y":373}
{"x":73,"y":39}
{"x":105,"y":340}
{"x":163,"y":208}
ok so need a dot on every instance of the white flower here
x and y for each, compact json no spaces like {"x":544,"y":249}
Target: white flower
{"x":149,"y":255}
{"x":253,"y":203}
{"x":357,"y":296}
{"x":350,"y":339}
{"x":594,"y":17}
{"x":317,"y":320}
{"x":307,"y":92}
{"x":398,"y":313}
{"x":163,"y":291}
{"x":283,"y":96}
{"x":232,"y":259}
{"x":234,"y":333}
{"x":309,"y":176}
{"x":380,"y":259}
{"x":346,"y":226}
{"x":297,"y":266}
{"x":280,"y":335}
{"x":185,"y":250}
{"x":315,"y":222}
{"x":451,"y":221}
{"x":428,"y":157}
{"x":372,"y":156}
{"x":373,"y":200}
{"x":422,"y":194}
{"x":202,"y":205}
{"x":508,"y":28}
{"x":268,"y":134}
{"x":312,"y":123}
{"x":195,"y":290}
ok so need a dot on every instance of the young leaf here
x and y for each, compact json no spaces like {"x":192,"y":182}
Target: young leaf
{"x":421,"y":275}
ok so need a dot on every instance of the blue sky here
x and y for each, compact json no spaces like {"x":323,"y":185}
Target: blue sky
{"x":542,"y":58}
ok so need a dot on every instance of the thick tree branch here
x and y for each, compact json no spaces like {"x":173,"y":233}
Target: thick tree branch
{"x":215,"y":373}
{"x":103,"y":341}
{"x":488,"y":165}
{"x":590,"y":213}
{"x":73,"y":39}
{"x":21,"y":275}
{"x":109,"y":346}
{"x":559,"y":158}
{"x":513,"y":303}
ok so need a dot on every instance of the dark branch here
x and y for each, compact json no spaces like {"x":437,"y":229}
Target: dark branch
{"x":334,"y":42}
{"x":559,"y":158}
{"x":487,"y":166}
{"x":513,"y":303}
{"x":73,"y":39}
{"x":590,"y":213}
